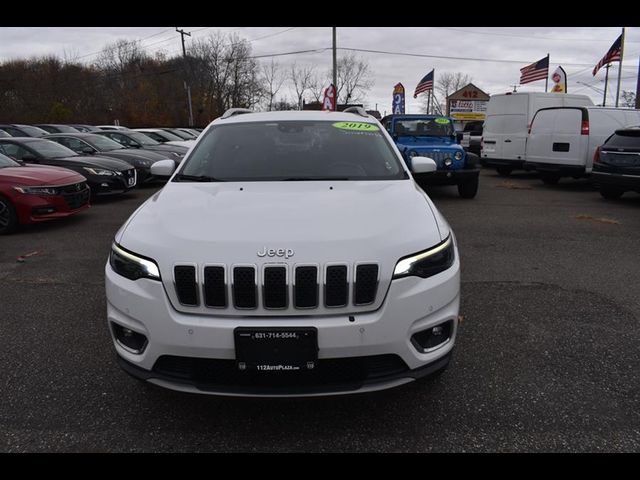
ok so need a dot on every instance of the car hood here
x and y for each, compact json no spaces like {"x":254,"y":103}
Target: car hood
{"x":182,"y":149}
{"x":133,"y":158}
{"x":139,"y":153}
{"x":39,"y":175}
{"x":95,"y":161}
{"x":181,"y":143}
{"x":322,"y":222}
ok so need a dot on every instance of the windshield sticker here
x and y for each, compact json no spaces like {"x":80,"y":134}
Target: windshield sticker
{"x":442,"y":120}
{"x":361,"y":127}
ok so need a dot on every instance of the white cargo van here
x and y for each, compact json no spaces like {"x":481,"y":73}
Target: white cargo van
{"x":563,"y":140}
{"x":508,"y":119}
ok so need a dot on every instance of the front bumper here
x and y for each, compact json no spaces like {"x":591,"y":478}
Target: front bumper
{"x":411,"y":305}
{"x":41,"y":208}
{"x":447,"y":177}
{"x":111,"y":185}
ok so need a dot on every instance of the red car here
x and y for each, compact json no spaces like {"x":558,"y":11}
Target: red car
{"x":30,"y":194}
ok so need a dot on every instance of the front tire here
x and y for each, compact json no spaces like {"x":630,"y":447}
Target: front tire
{"x":8,"y":217}
{"x":469,"y":188}
{"x":611,"y":193}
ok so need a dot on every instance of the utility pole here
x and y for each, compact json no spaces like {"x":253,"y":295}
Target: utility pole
{"x":546,"y":80}
{"x":638,"y":88}
{"x":620,"y":67}
{"x":335,"y":67}
{"x":187,"y":87}
{"x":606,"y":81}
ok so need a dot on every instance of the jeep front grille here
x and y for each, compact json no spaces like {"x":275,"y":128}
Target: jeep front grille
{"x":186,"y":286}
{"x":242,"y":287}
{"x":215,"y":289}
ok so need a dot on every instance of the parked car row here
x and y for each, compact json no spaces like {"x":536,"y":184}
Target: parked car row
{"x":562,"y":135}
{"x":51,"y":171}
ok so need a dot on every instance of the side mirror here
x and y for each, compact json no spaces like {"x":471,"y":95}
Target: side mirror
{"x":163,"y":168}
{"x":88,"y":150}
{"x":423,"y":165}
{"x":29,"y":157}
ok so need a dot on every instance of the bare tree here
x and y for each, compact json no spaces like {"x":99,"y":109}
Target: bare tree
{"x":272,"y":79}
{"x":353,"y":79}
{"x":224,"y":75}
{"x":301,"y":78}
{"x":317,"y":84}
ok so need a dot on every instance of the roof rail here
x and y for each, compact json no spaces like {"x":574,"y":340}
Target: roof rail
{"x":235,"y":111}
{"x":357,"y":110}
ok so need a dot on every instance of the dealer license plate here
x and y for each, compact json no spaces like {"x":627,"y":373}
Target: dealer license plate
{"x":274,"y":349}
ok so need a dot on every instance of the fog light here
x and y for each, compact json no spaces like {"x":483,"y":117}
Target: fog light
{"x":433,"y":338}
{"x":128,"y":339}
{"x":104,"y":184}
{"x":448,"y":162}
{"x":43,"y":210}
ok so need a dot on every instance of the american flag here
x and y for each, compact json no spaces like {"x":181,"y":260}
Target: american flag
{"x":536,"y":71}
{"x":613,"y":55}
{"x":425,"y":84}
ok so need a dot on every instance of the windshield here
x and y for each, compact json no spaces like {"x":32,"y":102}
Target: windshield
{"x":7,"y":162}
{"x":182,"y":135}
{"x":427,"y":127}
{"x":33,"y":131}
{"x":49,"y":149}
{"x":170,"y":137}
{"x":293,"y":150}
{"x":103,"y":144}
{"x":142,"y":139}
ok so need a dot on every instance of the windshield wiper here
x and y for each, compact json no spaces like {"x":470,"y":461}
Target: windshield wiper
{"x":195,"y":178}
{"x":311,"y":179}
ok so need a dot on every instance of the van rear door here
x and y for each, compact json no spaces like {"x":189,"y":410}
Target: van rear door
{"x":556,"y":137}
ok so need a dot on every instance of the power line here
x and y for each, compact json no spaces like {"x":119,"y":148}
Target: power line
{"x":471,"y":59}
{"x":536,"y":37}
{"x":139,"y":40}
{"x":317,"y":50}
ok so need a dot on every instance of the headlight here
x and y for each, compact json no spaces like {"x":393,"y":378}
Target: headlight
{"x":132,"y":266}
{"x":427,"y":263}
{"x":458,"y":156}
{"x":413,"y":153}
{"x":38,"y":190}
{"x":99,"y":171}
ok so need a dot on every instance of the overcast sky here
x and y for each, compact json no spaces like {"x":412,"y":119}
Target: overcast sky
{"x":577,"y":49}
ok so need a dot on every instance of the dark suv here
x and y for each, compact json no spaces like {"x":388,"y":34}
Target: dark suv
{"x":616,"y":164}
{"x":433,"y":136}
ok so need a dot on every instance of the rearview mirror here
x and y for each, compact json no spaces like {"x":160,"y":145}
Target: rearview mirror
{"x":163,"y":168}
{"x":423,"y":165}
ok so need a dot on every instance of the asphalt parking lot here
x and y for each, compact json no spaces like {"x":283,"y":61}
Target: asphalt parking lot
{"x":547,"y":357}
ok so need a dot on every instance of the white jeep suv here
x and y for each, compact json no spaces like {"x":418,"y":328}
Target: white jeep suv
{"x":290,"y":254}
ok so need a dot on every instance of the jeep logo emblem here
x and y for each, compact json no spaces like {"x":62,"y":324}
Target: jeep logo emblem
{"x":276,"y":252}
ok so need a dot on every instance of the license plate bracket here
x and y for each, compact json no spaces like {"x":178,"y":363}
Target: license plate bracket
{"x":276,"y":349}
